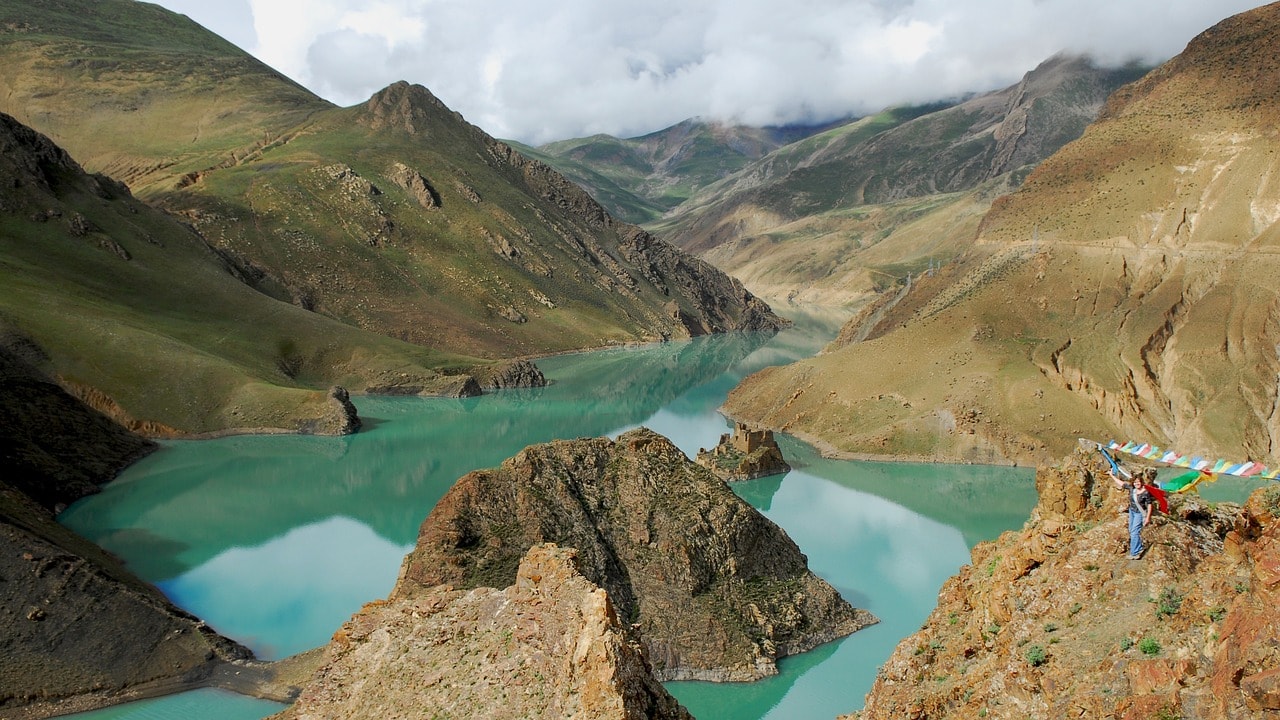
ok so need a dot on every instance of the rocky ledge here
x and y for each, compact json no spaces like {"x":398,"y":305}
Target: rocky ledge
{"x":549,"y":646}
{"x":716,"y":590}
{"x":1053,"y":621}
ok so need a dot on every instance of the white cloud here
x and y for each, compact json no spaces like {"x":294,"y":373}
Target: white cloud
{"x":568,"y":68}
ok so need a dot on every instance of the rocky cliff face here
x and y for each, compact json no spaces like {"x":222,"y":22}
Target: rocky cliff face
{"x":1053,"y":620}
{"x":550,"y":646}
{"x":716,"y":591}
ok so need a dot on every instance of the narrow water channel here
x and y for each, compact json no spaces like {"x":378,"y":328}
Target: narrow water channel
{"x":277,"y":540}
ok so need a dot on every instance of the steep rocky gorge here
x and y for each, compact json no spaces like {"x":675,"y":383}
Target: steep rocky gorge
{"x":1053,"y":620}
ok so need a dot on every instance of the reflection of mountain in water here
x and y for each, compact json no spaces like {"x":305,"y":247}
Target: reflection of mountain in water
{"x":981,"y":500}
{"x":198,"y":498}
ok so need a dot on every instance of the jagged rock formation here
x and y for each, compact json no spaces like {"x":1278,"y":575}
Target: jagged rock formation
{"x":744,"y":454}
{"x":549,"y":646}
{"x":1053,"y":620}
{"x":717,"y":591}
{"x":1115,"y":295}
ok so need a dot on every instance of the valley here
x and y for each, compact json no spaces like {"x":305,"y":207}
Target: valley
{"x":295,"y":330}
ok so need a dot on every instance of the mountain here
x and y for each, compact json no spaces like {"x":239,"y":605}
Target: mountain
{"x":844,"y":214}
{"x":387,"y":247}
{"x":1052,"y":621}
{"x":80,"y":629}
{"x":1118,"y":293}
{"x":395,"y":216}
{"x":640,"y":179}
{"x":137,"y":316}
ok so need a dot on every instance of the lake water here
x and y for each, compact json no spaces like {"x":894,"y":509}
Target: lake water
{"x":276,"y":540}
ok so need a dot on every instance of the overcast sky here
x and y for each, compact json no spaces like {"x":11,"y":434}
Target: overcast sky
{"x":555,"y":69}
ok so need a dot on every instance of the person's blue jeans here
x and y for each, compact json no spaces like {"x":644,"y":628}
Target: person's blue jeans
{"x":1135,"y":533}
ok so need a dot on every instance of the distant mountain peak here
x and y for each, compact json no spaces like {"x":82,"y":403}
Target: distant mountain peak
{"x":403,"y":105}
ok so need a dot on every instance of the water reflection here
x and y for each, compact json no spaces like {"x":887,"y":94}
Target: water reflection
{"x":311,"y":579}
{"x":277,"y":540}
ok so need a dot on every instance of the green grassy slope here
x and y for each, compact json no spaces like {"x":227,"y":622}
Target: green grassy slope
{"x":395,"y":217}
{"x":641,"y":179}
{"x":138,"y":314}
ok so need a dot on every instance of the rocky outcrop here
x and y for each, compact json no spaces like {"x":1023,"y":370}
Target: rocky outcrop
{"x":744,"y":454}
{"x":512,"y":374}
{"x":416,"y":185}
{"x":550,"y":646}
{"x":716,"y":590}
{"x":339,"y":415}
{"x":1053,"y":621}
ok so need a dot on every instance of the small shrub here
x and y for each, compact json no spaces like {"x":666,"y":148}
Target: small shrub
{"x":991,"y":566}
{"x":1125,"y":644}
{"x":1217,"y":613}
{"x":1149,"y":646}
{"x":1075,"y":608}
{"x":1035,"y":656}
{"x":1168,"y":603}
{"x":953,"y":618}
{"x":1050,"y":627}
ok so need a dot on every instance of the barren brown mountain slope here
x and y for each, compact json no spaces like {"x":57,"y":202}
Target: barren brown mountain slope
{"x":1123,"y":291}
{"x":841,"y":215}
{"x":1052,"y":621}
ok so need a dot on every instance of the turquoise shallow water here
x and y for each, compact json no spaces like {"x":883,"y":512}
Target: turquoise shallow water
{"x":277,"y":540}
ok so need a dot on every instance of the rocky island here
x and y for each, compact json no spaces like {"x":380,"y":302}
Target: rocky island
{"x":744,"y":454}
{"x":715,"y":590}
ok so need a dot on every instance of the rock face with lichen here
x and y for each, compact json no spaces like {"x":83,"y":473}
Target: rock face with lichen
{"x":1053,"y":621}
{"x":717,"y":591}
{"x":549,"y":647}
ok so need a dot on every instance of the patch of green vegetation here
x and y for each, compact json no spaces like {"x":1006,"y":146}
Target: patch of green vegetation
{"x":1168,"y":603}
{"x":1036,"y":656}
{"x":1149,"y":646}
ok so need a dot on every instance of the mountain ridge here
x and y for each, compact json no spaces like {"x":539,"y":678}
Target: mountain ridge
{"x":1111,"y":296}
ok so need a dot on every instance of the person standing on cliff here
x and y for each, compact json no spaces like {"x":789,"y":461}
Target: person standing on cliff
{"x":1141,"y":502}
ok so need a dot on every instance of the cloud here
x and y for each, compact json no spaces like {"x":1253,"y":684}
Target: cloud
{"x":569,"y":68}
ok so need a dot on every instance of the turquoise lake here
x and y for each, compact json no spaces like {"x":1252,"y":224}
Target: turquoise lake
{"x":276,"y":540}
